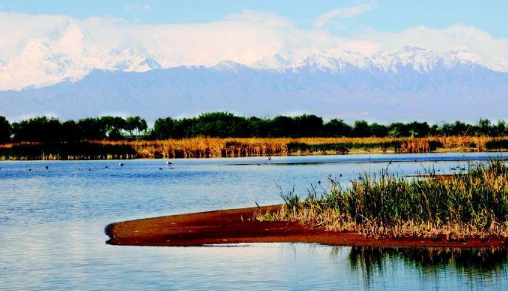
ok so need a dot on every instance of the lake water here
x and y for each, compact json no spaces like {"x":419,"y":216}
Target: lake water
{"x":52,"y":228}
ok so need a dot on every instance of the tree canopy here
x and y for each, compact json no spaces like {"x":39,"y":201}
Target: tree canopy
{"x":223,"y":124}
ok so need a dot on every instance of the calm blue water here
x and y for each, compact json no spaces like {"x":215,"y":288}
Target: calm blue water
{"x":52,"y":222}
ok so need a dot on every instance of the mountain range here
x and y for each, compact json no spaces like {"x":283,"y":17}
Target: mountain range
{"x":407,"y":84}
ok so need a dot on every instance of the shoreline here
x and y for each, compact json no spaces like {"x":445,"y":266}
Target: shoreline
{"x":310,"y":154}
{"x":208,"y":147}
{"x":234,"y":226}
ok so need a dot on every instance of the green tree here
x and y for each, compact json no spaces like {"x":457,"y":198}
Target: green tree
{"x":92,"y":128}
{"x":258,"y":127}
{"x":361,"y":128}
{"x":283,"y":126}
{"x":337,"y":128}
{"x":135,"y":123}
{"x":164,"y":128}
{"x":418,"y":129}
{"x":113,"y":126}
{"x":378,"y":130}
{"x":484,"y":127}
{"x":185,"y":128}
{"x":398,"y":129}
{"x":221,"y":124}
{"x":5,"y":130}
{"x":308,"y":125}
{"x":500,"y":128}
{"x":456,"y":128}
{"x":39,"y":128}
{"x":71,"y":131}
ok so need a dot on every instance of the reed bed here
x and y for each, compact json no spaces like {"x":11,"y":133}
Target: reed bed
{"x":203,"y":147}
{"x":471,"y":204}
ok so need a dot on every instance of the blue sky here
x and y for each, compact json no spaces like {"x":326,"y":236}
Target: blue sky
{"x":386,"y":16}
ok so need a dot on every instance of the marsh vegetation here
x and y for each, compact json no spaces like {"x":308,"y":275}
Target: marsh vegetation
{"x":207,"y":147}
{"x":226,"y":135}
{"x":470,"y":204}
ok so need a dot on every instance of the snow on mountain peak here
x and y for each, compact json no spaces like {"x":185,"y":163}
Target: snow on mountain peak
{"x":45,"y":62}
{"x":323,"y":63}
{"x":419,"y":59}
{"x":463,"y":54}
{"x":227,"y":66}
{"x":277,"y":62}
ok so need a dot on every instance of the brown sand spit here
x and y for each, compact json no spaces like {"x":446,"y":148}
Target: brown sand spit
{"x":240,"y":226}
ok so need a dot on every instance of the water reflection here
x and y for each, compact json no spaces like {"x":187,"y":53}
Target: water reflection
{"x":473,"y":263}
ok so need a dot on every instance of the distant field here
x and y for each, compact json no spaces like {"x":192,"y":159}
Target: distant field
{"x":244,"y":147}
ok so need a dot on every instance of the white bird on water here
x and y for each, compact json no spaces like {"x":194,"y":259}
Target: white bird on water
{"x":169,"y":163}
{"x":120,"y":164}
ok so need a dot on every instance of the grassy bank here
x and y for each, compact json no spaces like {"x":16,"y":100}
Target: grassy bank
{"x":243,"y":147}
{"x":472,"y":204}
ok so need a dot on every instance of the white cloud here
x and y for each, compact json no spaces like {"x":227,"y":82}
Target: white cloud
{"x":40,"y":50}
{"x":326,"y":17}
{"x":130,"y":7}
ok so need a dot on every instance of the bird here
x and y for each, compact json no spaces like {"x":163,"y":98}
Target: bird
{"x":269,"y":158}
{"x":340,"y":175}
{"x":160,"y":168}
{"x":120,"y":164}
{"x":106,"y":167}
{"x":29,"y":169}
{"x":169,"y":163}
{"x":47,"y":167}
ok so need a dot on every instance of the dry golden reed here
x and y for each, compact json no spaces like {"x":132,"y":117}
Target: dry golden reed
{"x":232,"y":147}
{"x":203,"y":147}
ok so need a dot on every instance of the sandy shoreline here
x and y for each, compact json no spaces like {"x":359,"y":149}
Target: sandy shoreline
{"x":238,"y":226}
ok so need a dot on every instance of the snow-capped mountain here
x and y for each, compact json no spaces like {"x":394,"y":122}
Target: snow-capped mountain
{"x":407,"y":84}
{"x":419,"y":59}
{"x":73,"y":54}
{"x":43,"y":62}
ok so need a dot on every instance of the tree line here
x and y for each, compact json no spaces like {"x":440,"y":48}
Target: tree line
{"x":223,"y":124}
{"x":49,"y":129}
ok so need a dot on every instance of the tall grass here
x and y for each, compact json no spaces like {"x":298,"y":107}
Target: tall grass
{"x":472,"y":204}
{"x":235,"y":147}
{"x":231,"y":147}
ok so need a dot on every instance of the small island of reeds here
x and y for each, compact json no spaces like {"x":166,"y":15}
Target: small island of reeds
{"x":472,"y":204}
{"x":465,"y":209}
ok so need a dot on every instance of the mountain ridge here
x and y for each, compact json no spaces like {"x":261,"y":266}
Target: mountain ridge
{"x":406,"y":89}
{"x":40,"y":64}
